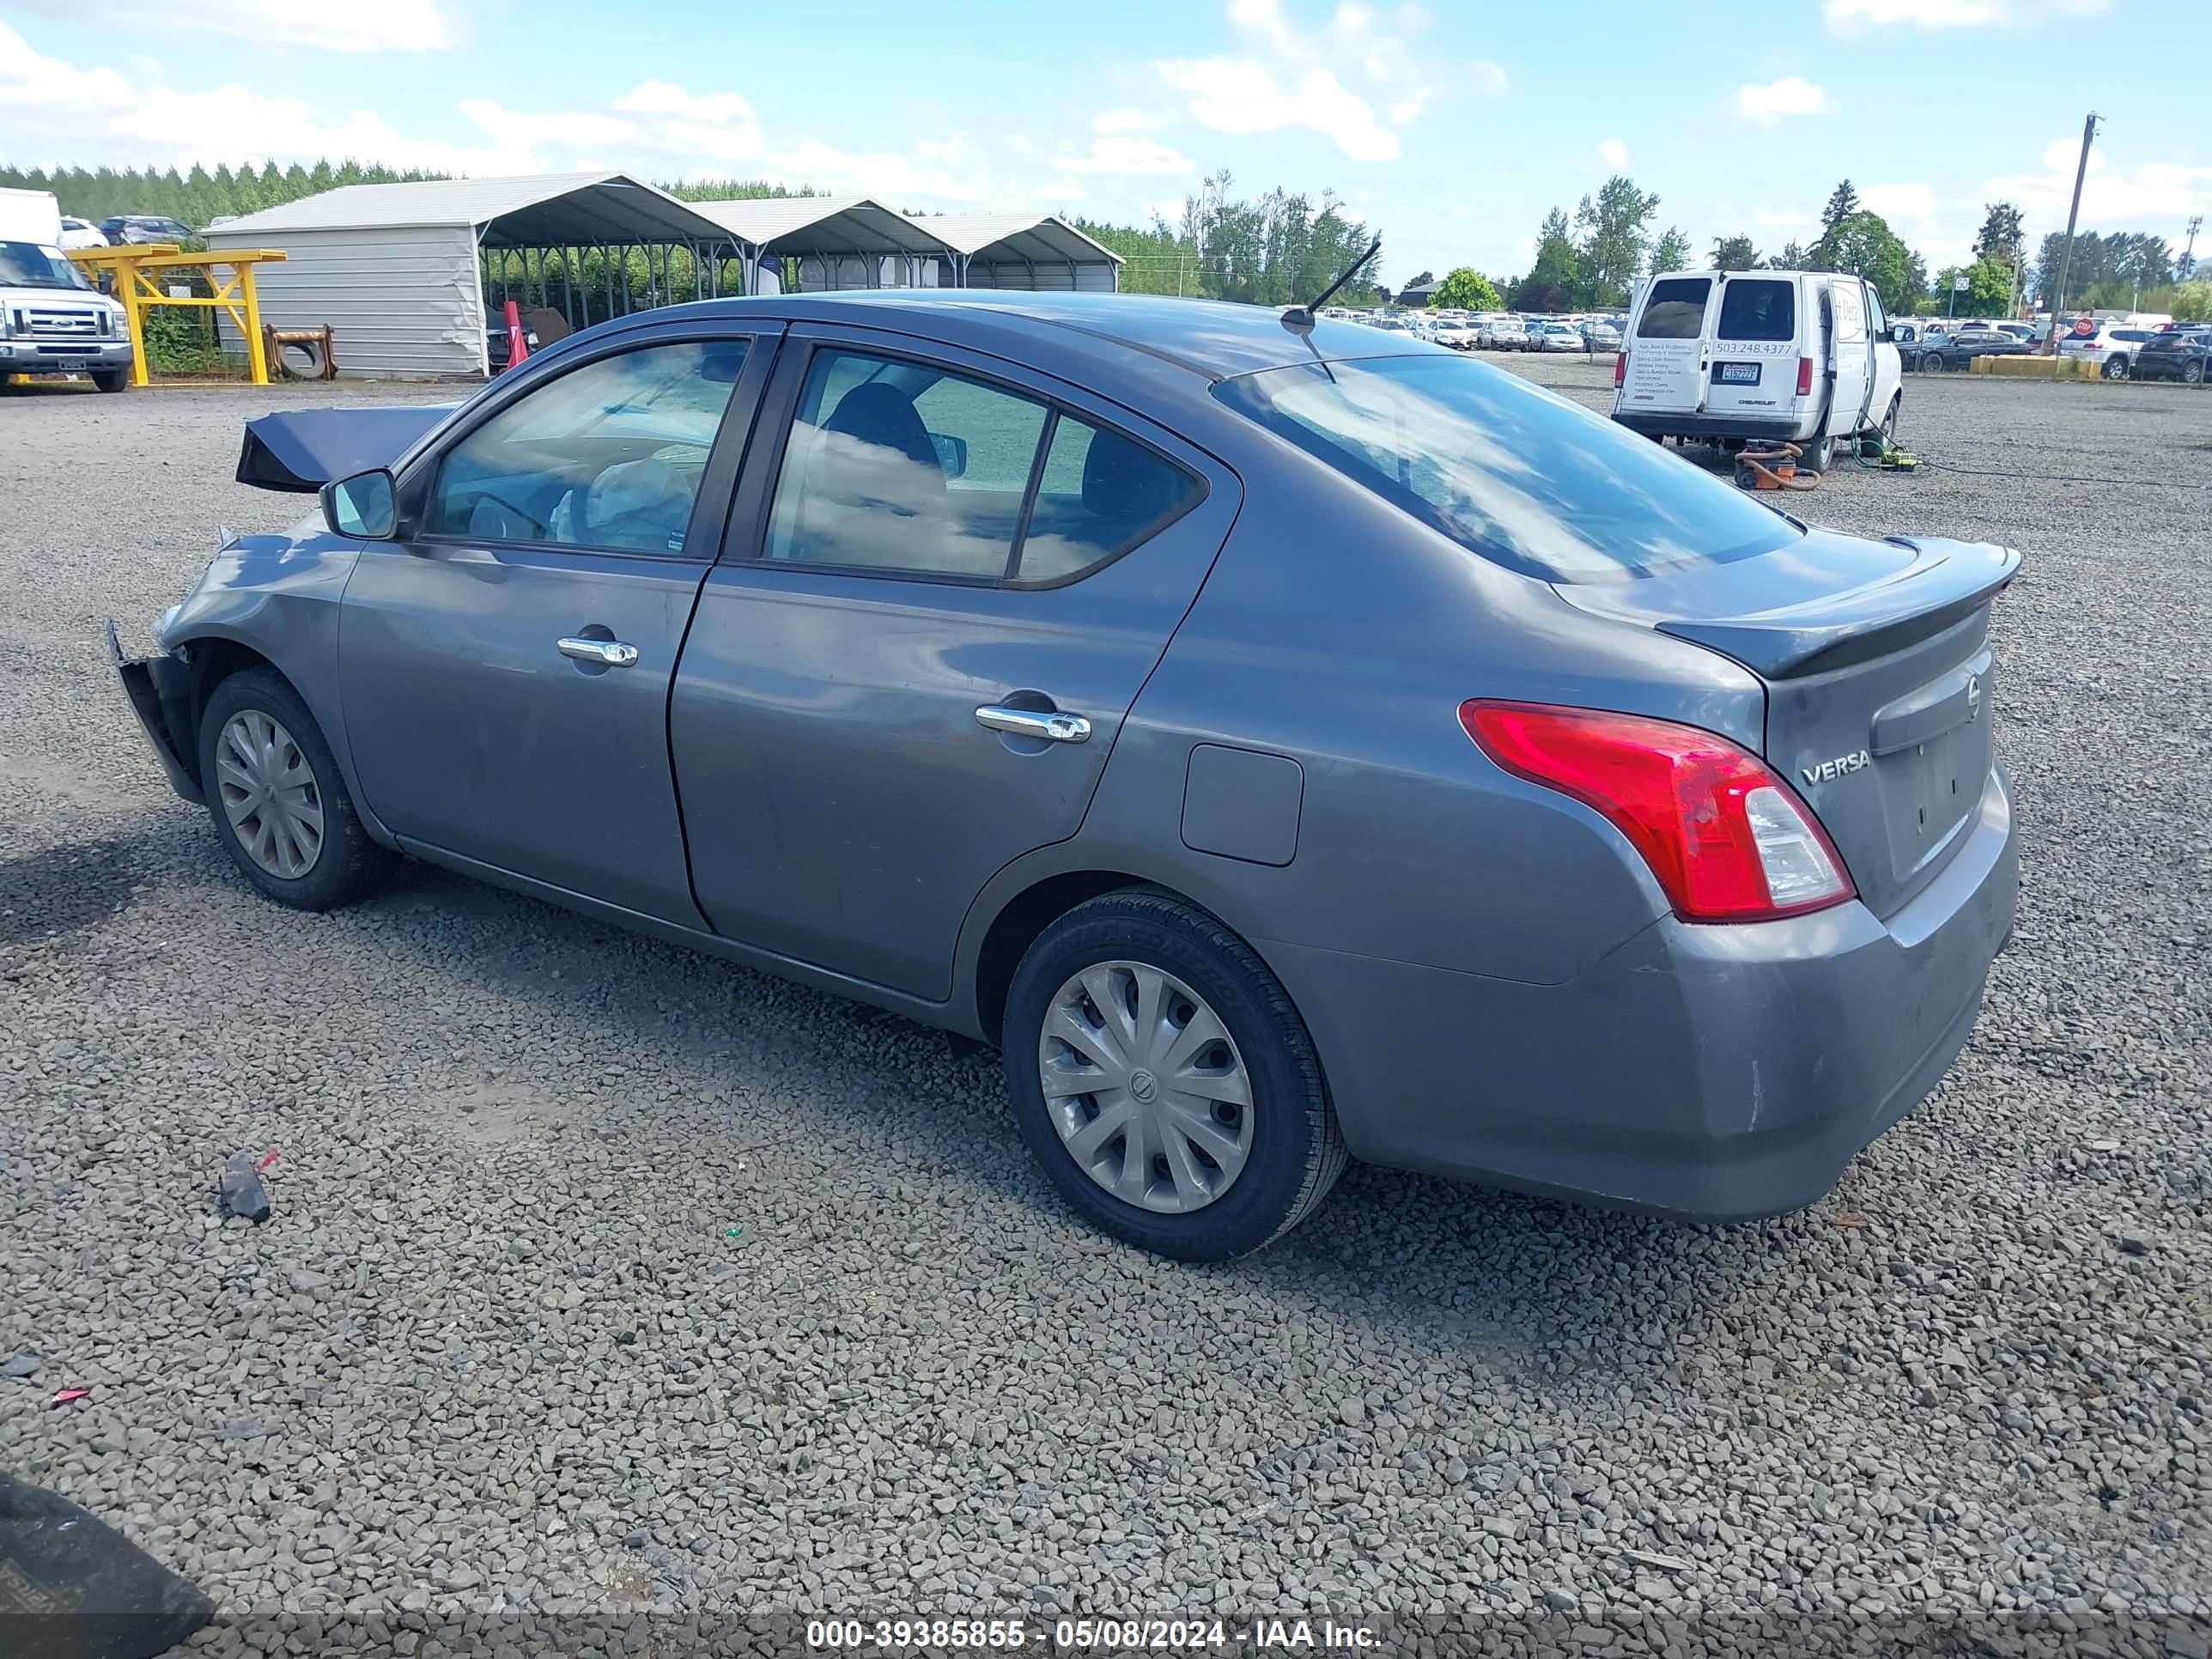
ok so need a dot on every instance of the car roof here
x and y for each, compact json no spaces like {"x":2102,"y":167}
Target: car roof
{"x":1212,"y":338}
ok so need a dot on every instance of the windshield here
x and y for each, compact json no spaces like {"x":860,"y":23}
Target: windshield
{"x":26,"y":265}
{"x":1512,"y":472}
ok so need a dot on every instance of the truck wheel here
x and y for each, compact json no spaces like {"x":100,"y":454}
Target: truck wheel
{"x":1161,"y":1076}
{"x":278,"y":800}
{"x":112,"y":380}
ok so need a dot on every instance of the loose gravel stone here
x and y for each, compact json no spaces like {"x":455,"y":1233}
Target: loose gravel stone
{"x":497,"y":1366}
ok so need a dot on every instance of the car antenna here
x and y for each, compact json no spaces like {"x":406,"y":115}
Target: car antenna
{"x":1303,"y":316}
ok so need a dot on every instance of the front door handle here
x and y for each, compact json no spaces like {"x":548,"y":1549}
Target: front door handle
{"x":608,"y":654}
{"x":1029,"y":723}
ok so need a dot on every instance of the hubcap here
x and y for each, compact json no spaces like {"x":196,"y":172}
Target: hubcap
{"x":1145,"y":1087}
{"x":269,"y":794}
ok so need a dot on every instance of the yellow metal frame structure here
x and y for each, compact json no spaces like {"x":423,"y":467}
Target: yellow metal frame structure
{"x":135,"y":268}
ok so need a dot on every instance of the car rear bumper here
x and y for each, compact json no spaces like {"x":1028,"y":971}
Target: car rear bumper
{"x":1716,"y":1073}
{"x":1671,"y":424}
{"x":160,"y":692}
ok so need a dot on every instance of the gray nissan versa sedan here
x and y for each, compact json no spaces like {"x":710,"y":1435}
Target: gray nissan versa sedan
{"x":1285,"y":741}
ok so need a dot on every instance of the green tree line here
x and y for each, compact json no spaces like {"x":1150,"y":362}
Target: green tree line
{"x":1279,"y":248}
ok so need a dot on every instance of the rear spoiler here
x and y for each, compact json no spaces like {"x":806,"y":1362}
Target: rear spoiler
{"x":301,"y":450}
{"x":1947,"y":582}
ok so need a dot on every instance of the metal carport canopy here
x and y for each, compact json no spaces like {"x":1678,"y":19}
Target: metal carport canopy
{"x":820,"y":224}
{"x":1043,"y":239}
{"x":553,"y":209}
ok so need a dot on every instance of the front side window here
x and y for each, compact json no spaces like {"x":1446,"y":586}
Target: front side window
{"x":609,"y":455}
{"x":903,"y":466}
{"x":1675,"y":309}
{"x":1514,"y":473}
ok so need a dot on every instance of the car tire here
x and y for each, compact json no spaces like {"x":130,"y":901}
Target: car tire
{"x":1283,"y":1139}
{"x":1888,"y":429}
{"x":2115,"y":368}
{"x":2192,"y":373}
{"x":313,"y":852}
{"x":112,"y":380}
{"x":1818,"y":452}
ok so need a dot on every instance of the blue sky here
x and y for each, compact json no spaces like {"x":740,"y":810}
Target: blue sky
{"x":1448,"y":129}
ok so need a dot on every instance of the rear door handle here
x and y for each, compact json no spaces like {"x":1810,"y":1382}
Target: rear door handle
{"x":1029,"y":723}
{"x":608,"y":654}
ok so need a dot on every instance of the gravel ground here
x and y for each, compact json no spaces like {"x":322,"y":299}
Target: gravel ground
{"x":607,"y":1280}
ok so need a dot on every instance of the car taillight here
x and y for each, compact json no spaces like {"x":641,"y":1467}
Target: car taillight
{"x":1804,"y":377}
{"x":1727,"y":838}
{"x":1620,"y":367}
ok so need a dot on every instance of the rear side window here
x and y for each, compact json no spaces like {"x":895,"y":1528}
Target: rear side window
{"x":1676,"y":309}
{"x":1517,"y":474}
{"x":901,"y":466}
{"x":1759,"y":308}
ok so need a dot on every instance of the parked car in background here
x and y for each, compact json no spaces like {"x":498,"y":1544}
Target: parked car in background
{"x":1958,"y":349}
{"x":1000,"y":665}
{"x":1460,"y":333}
{"x":2020,"y":331}
{"x":52,"y":321}
{"x":1507,"y":333}
{"x":2112,"y":348}
{"x":80,"y":232}
{"x":138,"y":227}
{"x":1599,"y":335}
{"x":1560,"y":337}
{"x":1797,"y":356}
{"x":2182,"y":352}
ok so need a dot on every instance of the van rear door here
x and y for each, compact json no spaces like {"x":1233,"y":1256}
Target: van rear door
{"x":1755,"y":349}
{"x":1665,"y":370}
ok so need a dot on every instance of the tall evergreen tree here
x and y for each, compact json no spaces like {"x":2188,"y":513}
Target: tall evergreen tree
{"x":1842,"y":202}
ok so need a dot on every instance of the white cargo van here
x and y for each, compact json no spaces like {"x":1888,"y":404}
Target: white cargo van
{"x":1754,"y":356}
{"x":52,"y":321}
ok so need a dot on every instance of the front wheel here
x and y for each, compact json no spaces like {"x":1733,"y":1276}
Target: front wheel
{"x":1889,"y":422}
{"x":2115,"y":368}
{"x":1161,"y":1076}
{"x":112,"y":380}
{"x":279,"y":803}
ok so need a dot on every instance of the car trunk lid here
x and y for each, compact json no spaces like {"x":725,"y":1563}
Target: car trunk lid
{"x":1876,"y":662}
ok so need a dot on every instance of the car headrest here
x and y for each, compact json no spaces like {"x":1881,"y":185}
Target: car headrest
{"x":1124,"y":480}
{"x":883,"y":414}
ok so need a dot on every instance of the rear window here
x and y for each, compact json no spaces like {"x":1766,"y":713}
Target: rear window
{"x":1676,"y":309}
{"x":1754,"y":309}
{"x":1507,"y":469}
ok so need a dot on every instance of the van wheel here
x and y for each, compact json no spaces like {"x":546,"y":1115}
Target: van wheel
{"x":1889,"y":422}
{"x":1819,"y":451}
{"x":112,"y":380}
{"x":1161,"y":1076}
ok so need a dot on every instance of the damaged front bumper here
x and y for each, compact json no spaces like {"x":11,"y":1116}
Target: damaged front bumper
{"x":160,"y":688}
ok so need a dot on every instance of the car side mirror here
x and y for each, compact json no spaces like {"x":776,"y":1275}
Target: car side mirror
{"x":951,"y":454}
{"x":364,"y":507}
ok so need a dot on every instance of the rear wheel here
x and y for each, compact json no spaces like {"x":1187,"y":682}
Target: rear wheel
{"x":279,"y":803}
{"x":1161,"y":1076}
{"x":1819,"y":451}
{"x":112,"y":380}
{"x":2192,"y":373}
{"x":2115,"y":368}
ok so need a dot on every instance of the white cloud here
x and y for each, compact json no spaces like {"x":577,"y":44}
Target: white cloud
{"x":1770,"y":104}
{"x":2144,"y":196}
{"x":1358,"y":82}
{"x":1128,"y":156}
{"x":1848,"y":16}
{"x":1614,"y":155}
{"x":411,"y":25}
{"x":1128,"y":120}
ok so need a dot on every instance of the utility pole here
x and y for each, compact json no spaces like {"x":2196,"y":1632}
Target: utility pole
{"x":2073,"y":213}
{"x":2189,"y":254}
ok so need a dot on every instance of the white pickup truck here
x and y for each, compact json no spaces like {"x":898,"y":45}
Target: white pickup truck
{"x":52,"y":321}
